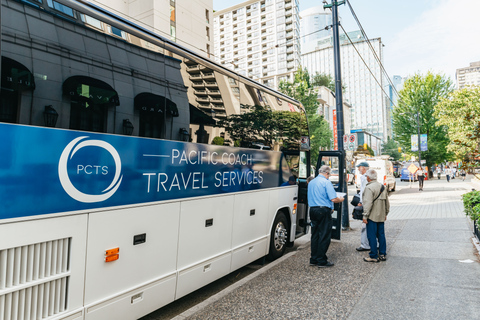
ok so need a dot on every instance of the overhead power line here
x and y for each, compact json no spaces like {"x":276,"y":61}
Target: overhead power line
{"x":366,"y":65}
{"x":371,"y":47}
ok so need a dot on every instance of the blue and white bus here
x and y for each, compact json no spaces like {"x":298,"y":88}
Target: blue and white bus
{"x":113,"y":200}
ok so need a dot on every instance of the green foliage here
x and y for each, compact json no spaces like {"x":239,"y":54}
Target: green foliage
{"x":323,"y":79}
{"x":361,"y":150}
{"x":460,"y":112}
{"x":391,"y":148}
{"x":420,"y":95}
{"x":302,"y":89}
{"x":259,"y":124}
{"x":218,"y":141}
{"x":471,"y":205}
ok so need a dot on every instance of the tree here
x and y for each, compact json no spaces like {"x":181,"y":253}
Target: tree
{"x":259,"y":124}
{"x":460,"y":112}
{"x":419,"y":96}
{"x":391,"y":148}
{"x":323,"y":79}
{"x":326,"y":80}
{"x":302,"y":89}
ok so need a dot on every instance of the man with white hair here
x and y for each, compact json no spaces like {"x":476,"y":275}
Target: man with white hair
{"x":321,"y":197}
{"x":375,"y":210}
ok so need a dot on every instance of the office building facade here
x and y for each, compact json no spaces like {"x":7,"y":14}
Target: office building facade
{"x":468,"y":76}
{"x":259,"y":39}
{"x":363,"y":79}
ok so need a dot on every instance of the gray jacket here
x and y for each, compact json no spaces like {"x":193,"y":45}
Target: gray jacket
{"x":378,"y":210}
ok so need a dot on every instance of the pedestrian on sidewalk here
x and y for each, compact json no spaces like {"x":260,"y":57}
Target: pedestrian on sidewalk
{"x":375,"y":210}
{"x":448,"y":172}
{"x":439,"y":172}
{"x":463,"y":173}
{"x":420,"y":177}
{"x":321,"y":197}
{"x":363,"y":167}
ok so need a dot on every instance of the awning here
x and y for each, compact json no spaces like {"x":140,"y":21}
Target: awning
{"x":197,"y":116}
{"x":90,"y":91}
{"x":15,"y":76}
{"x":149,"y":102}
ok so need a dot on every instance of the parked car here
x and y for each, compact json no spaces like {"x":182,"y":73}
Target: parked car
{"x":407,"y":176}
{"x":334,"y":177}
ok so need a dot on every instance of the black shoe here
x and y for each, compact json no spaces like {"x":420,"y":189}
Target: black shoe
{"x":382,"y":258}
{"x":326,"y":265}
{"x":362,"y":249}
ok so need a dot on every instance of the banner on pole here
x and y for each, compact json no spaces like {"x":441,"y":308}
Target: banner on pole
{"x":423,"y":142}
{"x":414,"y":142}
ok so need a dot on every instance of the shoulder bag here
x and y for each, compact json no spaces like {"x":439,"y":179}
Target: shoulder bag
{"x":357,"y":213}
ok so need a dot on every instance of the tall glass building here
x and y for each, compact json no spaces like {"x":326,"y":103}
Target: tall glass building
{"x":363,"y":79}
{"x":312,"y":27}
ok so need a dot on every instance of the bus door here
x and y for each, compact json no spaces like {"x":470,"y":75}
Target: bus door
{"x":299,"y":163}
{"x":336,"y":161}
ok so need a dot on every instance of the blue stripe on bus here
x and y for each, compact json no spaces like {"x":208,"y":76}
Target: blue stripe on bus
{"x":45,"y":170}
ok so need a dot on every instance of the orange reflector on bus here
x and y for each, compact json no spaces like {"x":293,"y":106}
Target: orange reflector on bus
{"x":112,"y":251}
{"x":294,"y":208}
{"x":112,"y":258}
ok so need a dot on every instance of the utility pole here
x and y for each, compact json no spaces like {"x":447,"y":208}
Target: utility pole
{"x":339,"y":102}
{"x":418,"y":136}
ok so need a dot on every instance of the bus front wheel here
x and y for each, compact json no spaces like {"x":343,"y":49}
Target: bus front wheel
{"x":278,"y":237}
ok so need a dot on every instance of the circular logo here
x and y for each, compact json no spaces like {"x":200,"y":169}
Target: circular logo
{"x":67,"y":185}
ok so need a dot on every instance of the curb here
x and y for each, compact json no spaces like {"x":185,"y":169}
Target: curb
{"x":236,"y":285}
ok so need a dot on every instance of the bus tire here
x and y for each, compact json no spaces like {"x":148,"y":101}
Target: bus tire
{"x":278,"y":237}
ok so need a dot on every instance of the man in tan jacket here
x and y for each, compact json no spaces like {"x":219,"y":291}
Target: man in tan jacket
{"x":375,"y":210}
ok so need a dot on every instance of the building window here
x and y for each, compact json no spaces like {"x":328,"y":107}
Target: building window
{"x":172,"y":13}
{"x":90,"y":100}
{"x":207,"y":16}
{"x":61,"y":8}
{"x":172,"y":33}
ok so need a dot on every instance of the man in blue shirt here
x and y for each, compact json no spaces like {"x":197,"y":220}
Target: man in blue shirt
{"x":321,"y":196}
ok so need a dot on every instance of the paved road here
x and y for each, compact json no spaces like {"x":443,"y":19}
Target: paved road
{"x":432,"y":270}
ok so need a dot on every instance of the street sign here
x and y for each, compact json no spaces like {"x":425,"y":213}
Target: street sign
{"x":412,"y":168}
{"x":352,"y":138}
{"x":345,"y":139}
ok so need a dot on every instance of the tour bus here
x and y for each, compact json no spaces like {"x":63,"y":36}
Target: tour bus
{"x":127,"y":173}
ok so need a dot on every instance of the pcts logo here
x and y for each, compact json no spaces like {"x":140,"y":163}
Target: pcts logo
{"x":86,"y":165}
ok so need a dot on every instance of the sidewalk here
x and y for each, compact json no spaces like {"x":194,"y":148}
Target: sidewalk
{"x":432,"y":270}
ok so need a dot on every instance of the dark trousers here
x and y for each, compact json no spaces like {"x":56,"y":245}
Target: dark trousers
{"x":376,"y":231}
{"x":321,"y":234}
{"x":420,"y":182}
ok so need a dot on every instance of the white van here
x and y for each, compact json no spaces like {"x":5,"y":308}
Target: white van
{"x":384,"y":169}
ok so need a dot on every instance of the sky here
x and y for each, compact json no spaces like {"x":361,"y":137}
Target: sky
{"x":419,"y":35}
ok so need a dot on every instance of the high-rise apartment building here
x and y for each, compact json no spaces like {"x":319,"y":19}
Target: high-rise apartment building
{"x":363,"y":79}
{"x":469,"y":75}
{"x":259,"y":39}
{"x":188,"y":22}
